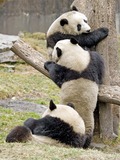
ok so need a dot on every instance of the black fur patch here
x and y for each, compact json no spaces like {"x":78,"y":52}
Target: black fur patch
{"x":73,"y":41}
{"x":59,"y":52}
{"x":61,"y":131}
{"x":60,"y":74}
{"x":88,"y":140}
{"x":30,"y":123}
{"x":71,"y":105}
{"x":94,"y":71}
{"x":18,"y":134}
{"x":74,"y":8}
{"x":52,"y":106}
{"x":63,"y":22}
{"x":84,"y":40}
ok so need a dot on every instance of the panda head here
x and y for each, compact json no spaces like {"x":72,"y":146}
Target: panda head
{"x":72,"y":22}
{"x":67,"y":114}
{"x":67,"y":51}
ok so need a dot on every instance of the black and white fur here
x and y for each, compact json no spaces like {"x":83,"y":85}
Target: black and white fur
{"x":59,"y":125}
{"x":73,"y":24}
{"x":78,"y":73}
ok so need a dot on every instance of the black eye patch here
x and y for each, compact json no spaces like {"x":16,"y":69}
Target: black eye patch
{"x":79,"y":27}
{"x":63,"y":22}
{"x":85,"y":21}
{"x":59,"y":52}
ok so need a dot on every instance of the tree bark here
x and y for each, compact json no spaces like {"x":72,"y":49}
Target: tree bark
{"x":30,"y":56}
{"x":109,"y":94}
{"x":101,"y":13}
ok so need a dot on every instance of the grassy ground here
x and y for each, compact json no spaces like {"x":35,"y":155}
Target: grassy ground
{"x":45,"y":152}
{"x":28,"y":84}
{"x":33,"y":151}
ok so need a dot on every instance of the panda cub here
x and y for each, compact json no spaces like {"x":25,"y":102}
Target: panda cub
{"x":60,"y":125}
{"x":73,"y":24}
{"x":78,"y":73}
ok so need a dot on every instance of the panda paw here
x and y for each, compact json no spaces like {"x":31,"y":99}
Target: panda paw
{"x":104,"y":30}
{"x":47,"y":65}
{"x":88,"y":140}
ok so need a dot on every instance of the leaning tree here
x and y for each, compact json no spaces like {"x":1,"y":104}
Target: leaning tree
{"x":100,"y":13}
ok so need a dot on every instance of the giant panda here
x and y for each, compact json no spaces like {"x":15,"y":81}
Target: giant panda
{"x":78,"y":73}
{"x":60,"y":125}
{"x":73,"y":24}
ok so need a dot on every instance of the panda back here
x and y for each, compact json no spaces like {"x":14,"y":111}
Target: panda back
{"x":98,"y":65}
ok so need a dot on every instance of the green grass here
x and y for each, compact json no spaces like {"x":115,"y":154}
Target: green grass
{"x":28,"y":84}
{"x":34,"y":151}
{"x":9,"y":119}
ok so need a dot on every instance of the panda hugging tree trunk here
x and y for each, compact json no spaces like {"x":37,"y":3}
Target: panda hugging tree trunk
{"x":74,"y":24}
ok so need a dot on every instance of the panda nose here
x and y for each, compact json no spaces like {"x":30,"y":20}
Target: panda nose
{"x":88,"y":31}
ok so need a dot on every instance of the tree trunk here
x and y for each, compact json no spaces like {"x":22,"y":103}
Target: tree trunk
{"x":101,"y":13}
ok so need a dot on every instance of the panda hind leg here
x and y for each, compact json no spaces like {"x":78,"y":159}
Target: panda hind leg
{"x":88,"y":141}
{"x":19,"y":134}
{"x":30,"y":123}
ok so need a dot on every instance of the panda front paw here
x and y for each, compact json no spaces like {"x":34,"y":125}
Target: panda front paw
{"x":47,"y":65}
{"x":104,"y":30}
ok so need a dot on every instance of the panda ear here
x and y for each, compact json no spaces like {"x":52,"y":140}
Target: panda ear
{"x":73,"y":41}
{"x":52,"y":106}
{"x":59,"y":52}
{"x":71,"y":105}
{"x":63,"y":22}
{"x":73,"y":8}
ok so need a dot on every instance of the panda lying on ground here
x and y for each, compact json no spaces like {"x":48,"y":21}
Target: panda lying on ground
{"x":73,"y":24}
{"x":59,"y":125}
{"x":78,"y":73}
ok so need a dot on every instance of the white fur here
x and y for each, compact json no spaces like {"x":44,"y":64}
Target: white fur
{"x":74,"y":18}
{"x":69,"y":54}
{"x":47,"y":140}
{"x":68,"y":115}
{"x":83,"y":94}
